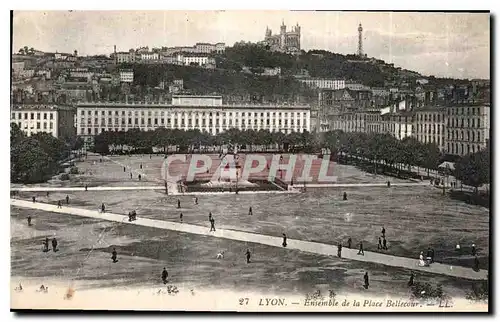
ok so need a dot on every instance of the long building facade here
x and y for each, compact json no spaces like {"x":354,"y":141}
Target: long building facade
{"x":55,"y":120}
{"x":205,"y":113}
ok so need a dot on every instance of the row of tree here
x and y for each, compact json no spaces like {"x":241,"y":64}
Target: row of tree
{"x":172,"y":140}
{"x":36,"y":158}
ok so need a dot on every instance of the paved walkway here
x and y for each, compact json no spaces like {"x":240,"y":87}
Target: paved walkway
{"x":312,"y":185}
{"x":306,"y":246}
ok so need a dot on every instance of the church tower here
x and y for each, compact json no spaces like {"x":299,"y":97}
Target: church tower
{"x":282,"y":35}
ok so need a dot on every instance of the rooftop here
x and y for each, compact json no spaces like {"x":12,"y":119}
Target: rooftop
{"x":169,"y":105}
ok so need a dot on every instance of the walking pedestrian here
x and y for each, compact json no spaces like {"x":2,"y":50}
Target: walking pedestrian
{"x":361,"y":251}
{"x":164,"y":275}
{"x":86,"y":187}
{"x":388,"y":184}
{"x":349,"y":242}
{"x":196,"y":200}
{"x":103,"y":208}
{"x":29,"y":220}
{"x":48,"y":193}
{"x":114,"y":256}
{"x":59,"y":204}
{"x":67,"y":199}
{"x":54,"y":244}
{"x":411,"y":281}
{"x":178,"y":203}
{"x":248,"y":255}
{"x":379,"y":246}
{"x":46,"y":245}
{"x":345,"y":196}
{"x":212,"y":224}
{"x":250,"y":211}
{"x":383,"y":231}
{"x":33,"y":198}
{"x":181,"y":216}
{"x":367,"y":281}
{"x":339,"y":250}
{"x":284,"y":240}
{"x":473,"y":251}
{"x":384,"y":241}
{"x":130,"y":175}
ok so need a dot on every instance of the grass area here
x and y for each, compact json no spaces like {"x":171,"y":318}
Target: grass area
{"x":190,"y":260}
{"x":415,"y":218}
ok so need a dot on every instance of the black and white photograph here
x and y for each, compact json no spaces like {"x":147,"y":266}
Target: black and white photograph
{"x":250,"y":161}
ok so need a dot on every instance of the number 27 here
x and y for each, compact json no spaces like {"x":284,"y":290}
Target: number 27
{"x":244,"y":301}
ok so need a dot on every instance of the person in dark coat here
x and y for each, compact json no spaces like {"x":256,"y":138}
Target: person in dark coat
{"x":388,"y":184}
{"x":349,"y":242}
{"x":383,"y":231}
{"x":114,"y":256}
{"x":67,"y":199}
{"x":250,"y":211}
{"x":103,"y":208}
{"x":212,"y":224}
{"x":473,"y":250}
{"x":345,"y":196}
{"x":130,"y":175}
{"x":54,"y":244}
{"x":367,"y":281}
{"x":59,"y":204}
{"x":46,"y":245}
{"x":379,"y":246}
{"x":140,"y":177}
{"x":339,"y":250}
{"x":181,"y":216}
{"x":411,"y":281}
{"x":476,"y":264}
{"x":361,"y":251}
{"x":248,"y":255}
{"x":284,"y":240}
{"x":33,"y":198}
{"x":48,"y":194}
{"x":196,"y":200}
{"x":384,"y":242}
{"x":141,"y":166}
{"x":124,"y":169}
{"x":164,"y":275}
{"x":86,"y":188}
{"x":29,"y":220}
{"x":178,"y":203}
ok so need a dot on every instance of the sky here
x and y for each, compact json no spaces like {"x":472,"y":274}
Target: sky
{"x":453,"y":45}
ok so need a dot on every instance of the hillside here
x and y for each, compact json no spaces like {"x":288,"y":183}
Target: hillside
{"x":228,"y":83}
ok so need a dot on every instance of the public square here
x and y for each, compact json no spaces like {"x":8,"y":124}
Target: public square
{"x":415,"y":218}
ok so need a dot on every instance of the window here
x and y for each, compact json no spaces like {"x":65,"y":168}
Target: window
{"x":38,"y":125}
{"x":51,"y":125}
{"x":32,"y":116}
{"x":51,"y":116}
{"x":13,"y":116}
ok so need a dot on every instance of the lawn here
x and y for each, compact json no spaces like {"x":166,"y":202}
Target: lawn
{"x":190,"y":260}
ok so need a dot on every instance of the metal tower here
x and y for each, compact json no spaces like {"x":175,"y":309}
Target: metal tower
{"x":360,"y":41}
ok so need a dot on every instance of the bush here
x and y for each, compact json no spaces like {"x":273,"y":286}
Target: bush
{"x":74,"y":170}
{"x":426,"y":291}
{"x":479,"y":292}
{"x":64,"y":176}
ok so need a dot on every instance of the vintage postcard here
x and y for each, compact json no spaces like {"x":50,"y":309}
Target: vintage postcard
{"x":271,"y":161}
